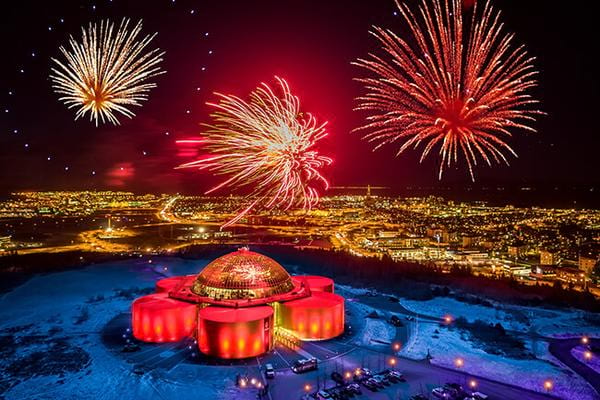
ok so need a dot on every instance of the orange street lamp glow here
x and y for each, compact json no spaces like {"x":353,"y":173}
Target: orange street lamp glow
{"x":587,"y":355}
{"x":448,"y":319}
{"x":459,"y":362}
{"x":472,"y":383}
{"x":348,"y":375}
{"x":392,"y":361}
{"x":396,"y":346}
{"x":585,"y":340}
{"x":548,"y":385}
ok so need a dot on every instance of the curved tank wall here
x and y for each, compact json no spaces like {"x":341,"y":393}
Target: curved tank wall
{"x":318,"y":317}
{"x":315,"y":283}
{"x":157,"y":318}
{"x":235,"y":332}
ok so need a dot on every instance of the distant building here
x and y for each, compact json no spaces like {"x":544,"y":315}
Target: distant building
{"x":571,"y":275}
{"x":517,"y":269}
{"x":516,"y":250}
{"x":544,"y":272}
{"x":469,"y":241}
{"x":587,"y":262}
{"x":5,"y":242}
{"x":549,"y":257}
{"x":449,"y":237}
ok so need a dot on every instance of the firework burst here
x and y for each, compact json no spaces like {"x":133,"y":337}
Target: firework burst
{"x":459,"y":88}
{"x":107,"y":71}
{"x":266,"y":145}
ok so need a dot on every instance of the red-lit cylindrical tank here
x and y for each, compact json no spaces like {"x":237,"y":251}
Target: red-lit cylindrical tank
{"x":167,"y":284}
{"x":317,"y":317}
{"x":315,"y":283}
{"x":235,"y":332}
{"x":157,"y":318}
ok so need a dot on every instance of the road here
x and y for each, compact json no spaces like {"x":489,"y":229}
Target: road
{"x":421,"y":377}
{"x":561,"y":349}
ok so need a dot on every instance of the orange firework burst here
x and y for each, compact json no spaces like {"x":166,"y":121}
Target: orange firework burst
{"x":107,"y":71}
{"x":458,"y":88}
{"x":268,"y":145}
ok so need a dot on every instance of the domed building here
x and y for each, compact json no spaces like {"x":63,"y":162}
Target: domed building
{"x":243,"y":274}
{"x":237,"y":305}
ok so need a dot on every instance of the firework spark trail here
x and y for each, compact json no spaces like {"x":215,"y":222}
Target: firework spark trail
{"x":107,"y":71}
{"x":460,"y":88}
{"x":266,"y":145}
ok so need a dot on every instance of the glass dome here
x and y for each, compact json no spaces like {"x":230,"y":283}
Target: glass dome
{"x":242,"y":274}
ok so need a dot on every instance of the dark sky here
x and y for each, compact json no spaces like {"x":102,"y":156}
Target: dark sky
{"x":310,"y":43}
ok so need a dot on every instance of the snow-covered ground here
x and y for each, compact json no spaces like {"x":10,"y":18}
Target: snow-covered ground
{"x":446,"y":346}
{"x":74,"y":306}
{"x":593,"y":361}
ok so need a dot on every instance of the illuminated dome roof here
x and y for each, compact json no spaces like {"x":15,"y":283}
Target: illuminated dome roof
{"x":242,"y":274}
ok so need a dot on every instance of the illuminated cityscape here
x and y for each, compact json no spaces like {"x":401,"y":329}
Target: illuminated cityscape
{"x":533,"y":245}
{"x":299,"y":200}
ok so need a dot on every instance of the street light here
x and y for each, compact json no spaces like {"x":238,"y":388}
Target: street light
{"x":392,"y":361}
{"x":396,"y":346}
{"x":459,"y":362}
{"x":448,"y":319}
{"x":585,"y":340}
{"x":348,"y":375}
{"x":548,"y":385}
{"x":472,"y":383}
{"x":587,"y":355}
{"x":307,"y":387}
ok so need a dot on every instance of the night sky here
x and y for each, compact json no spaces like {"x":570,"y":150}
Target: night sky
{"x":230,"y":47}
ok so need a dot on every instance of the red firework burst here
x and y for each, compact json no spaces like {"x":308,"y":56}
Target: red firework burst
{"x":266,"y":145}
{"x":459,"y":87}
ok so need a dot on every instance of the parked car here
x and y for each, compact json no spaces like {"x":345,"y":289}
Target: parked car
{"x":394,"y":320}
{"x":337,"y":377}
{"x":321,"y":394}
{"x":304,"y":365}
{"x":479,"y":396}
{"x":130,"y":348}
{"x":370,"y":384}
{"x":269,"y":371}
{"x":396,"y":375}
{"x":338,"y":393}
{"x":355,"y":388}
{"x":381,"y":380}
{"x":441,"y":393}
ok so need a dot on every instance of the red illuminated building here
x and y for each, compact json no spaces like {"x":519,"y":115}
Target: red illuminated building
{"x":236,"y":304}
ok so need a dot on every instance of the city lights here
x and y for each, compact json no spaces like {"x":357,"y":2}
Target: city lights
{"x":548,"y":385}
{"x":459,"y":362}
